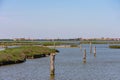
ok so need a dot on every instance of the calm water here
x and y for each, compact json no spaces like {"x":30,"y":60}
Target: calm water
{"x":69,"y":66}
{"x":2,"y":49}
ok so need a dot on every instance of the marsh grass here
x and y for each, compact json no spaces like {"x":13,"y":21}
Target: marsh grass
{"x":114,"y":46}
{"x":19,"y":54}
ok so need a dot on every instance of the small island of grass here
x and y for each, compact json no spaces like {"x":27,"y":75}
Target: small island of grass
{"x":20,"y":54}
{"x":115,"y":46}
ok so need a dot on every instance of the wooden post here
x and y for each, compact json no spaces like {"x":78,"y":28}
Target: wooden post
{"x":90,"y":47}
{"x":52,"y":66}
{"x":95,"y":51}
{"x":84,"y":56}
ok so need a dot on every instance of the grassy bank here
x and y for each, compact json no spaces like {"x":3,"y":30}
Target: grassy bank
{"x":23,"y":43}
{"x":115,"y":46}
{"x":20,"y":54}
{"x":51,"y":43}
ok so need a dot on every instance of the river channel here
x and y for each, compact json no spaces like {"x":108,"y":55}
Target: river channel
{"x":68,"y":66}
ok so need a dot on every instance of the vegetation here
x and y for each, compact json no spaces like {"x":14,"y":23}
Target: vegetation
{"x":51,"y":43}
{"x":94,"y":42}
{"x":73,"y":45}
{"x":19,"y":54}
{"x":14,"y":43}
{"x":115,"y":46}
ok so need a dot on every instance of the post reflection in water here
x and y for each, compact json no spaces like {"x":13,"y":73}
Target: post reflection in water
{"x":52,"y":77}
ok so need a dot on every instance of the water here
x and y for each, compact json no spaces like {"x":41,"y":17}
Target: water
{"x":69,"y":66}
{"x":2,"y":49}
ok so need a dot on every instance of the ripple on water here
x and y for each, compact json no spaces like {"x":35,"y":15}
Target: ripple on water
{"x":69,"y":66}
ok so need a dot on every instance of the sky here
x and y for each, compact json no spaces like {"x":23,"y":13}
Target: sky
{"x":59,"y":19}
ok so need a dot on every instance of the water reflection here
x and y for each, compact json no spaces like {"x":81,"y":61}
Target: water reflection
{"x":52,"y":77}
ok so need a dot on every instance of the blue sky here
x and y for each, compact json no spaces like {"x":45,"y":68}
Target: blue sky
{"x":59,"y":18}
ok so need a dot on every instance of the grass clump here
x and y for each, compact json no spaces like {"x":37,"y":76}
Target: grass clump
{"x":73,"y":45}
{"x":115,"y":46}
{"x":19,"y":54}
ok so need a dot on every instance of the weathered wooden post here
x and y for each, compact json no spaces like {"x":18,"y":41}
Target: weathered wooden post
{"x":95,"y":51}
{"x":90,"y":47}
{"x":84,"y":56}
{"x":52,"y":64}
